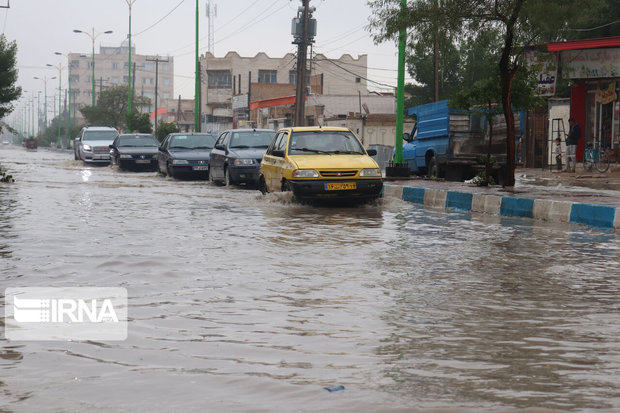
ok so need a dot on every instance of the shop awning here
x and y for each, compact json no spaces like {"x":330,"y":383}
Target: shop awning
{"x":279,"y":101}
{"x":584,"y":44}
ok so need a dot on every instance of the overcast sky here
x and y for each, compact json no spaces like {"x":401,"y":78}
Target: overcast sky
{"x":167,"y":28}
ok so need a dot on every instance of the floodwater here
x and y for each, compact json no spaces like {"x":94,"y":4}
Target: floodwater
{"x":239,"y":302}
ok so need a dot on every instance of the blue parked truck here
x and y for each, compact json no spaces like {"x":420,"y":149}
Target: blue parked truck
{"x":453,"y":144}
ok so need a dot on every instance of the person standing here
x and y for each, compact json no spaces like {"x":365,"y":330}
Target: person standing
{"x":558,"y":153}
{"x":572,"y":139}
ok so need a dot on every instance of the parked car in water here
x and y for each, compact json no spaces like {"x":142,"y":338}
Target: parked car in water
{"x":320,"y":163}
{"x":185,"y":155}
{"x":135,"y":151}
{"x":237,"y":155}
{"x":92,"y":145}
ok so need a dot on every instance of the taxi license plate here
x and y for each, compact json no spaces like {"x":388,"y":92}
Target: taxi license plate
{"x":200,"y":168}
{"x":143,"y":161}
{"x":340,"y":186}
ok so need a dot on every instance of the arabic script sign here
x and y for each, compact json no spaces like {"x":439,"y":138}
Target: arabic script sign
{"x":591,"y":63}
{"x":545,"y":66}
{"x":606,"y":95}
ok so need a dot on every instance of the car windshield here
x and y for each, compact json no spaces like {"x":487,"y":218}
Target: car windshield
{"x":137,"y":141}
{"x":324,"y":142}
{"x":192,"y":142}
{"x":103,"y":135}
{"x":251,"y":139}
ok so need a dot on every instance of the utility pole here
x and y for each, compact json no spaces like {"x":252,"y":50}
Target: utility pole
{"x":157,"y":59}
{"x":303,"y":30}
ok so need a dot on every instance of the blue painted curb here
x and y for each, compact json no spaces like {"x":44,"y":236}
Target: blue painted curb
{"x":415,"y":195}
{"x":517,"y":207}
{"x":459,"y":200}
{"x":599,"y":216}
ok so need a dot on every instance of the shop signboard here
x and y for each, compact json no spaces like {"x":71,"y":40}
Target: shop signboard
{"x":591,"y":63}
{"x":545,"y":66}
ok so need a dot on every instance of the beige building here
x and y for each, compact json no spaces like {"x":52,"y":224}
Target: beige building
{"x":228,"y":88}
{"x":111,"y":69}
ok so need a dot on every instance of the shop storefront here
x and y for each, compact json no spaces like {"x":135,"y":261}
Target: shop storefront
{"x":593,"y":66}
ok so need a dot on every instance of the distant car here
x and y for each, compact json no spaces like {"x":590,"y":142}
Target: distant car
{"x":237,"y":155}
{"x":185,"y":155}
{"x":93,"y":144}
{"x":135,"y":151}
{"x":31,"y":144}
{"x":6,"y":142}
{"x":320,"y":163}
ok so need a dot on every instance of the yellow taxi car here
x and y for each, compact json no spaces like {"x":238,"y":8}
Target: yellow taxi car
{"x":320,"y":163}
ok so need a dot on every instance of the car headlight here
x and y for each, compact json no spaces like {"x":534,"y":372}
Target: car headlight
{"x":371,"y":172}
{"x":179,"y":162}
{"x":305,"y":173}
{"x":125,"y":156}
{"x":86,"y":147}
{"x":239,"y":162}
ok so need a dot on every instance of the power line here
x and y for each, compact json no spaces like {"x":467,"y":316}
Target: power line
{"x":594,"y":28}
{"x":361,"y":77}
{"x":159,"y":21}
{"x":356,"y":65}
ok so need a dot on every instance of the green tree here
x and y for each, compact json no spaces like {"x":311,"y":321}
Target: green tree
{"x":8,"y":76}
{"x":138,"y":122}
{"x":165,"y":128}
{"x":111,"y":108}
{"x":520,"y":24}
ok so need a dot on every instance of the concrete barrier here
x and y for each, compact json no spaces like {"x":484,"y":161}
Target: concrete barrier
{"x":599,"y":216}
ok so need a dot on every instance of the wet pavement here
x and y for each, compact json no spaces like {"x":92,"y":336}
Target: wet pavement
{"x":242,"y":302}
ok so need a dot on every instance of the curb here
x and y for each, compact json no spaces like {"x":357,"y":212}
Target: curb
{"x":592,"y":215}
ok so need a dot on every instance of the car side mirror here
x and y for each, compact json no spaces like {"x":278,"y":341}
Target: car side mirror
{"x":160,"y":148}
{"x":220,"y":146}
{"x":111,"y":146}
{"x":407,"y":137}
{"x":371,"y":152}
{"x":278,"y":152}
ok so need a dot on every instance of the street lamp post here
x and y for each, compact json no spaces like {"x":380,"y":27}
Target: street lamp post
{"x":129,"y":3}
{"x":59,"y":67}
{"x":92,"y":36}
{"x":69,"y":83}
{"x":45,"y":79}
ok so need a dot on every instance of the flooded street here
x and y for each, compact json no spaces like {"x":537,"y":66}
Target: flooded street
{"x":239,"y":302}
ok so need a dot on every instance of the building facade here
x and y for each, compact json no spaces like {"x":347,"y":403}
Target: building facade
{"x":593,"y":66}
{"x":228,"y":88}
{"x":112,"y":69}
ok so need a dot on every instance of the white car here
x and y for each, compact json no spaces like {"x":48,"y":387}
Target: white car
{"x":93,"y":144}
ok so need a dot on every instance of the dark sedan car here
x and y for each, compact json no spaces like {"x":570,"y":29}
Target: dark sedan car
{"x":134,"y":151}
{"x":185,"y":155}
{"x":237,"y":155}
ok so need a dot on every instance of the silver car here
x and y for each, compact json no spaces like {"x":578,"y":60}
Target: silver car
{"x":93,"y":144}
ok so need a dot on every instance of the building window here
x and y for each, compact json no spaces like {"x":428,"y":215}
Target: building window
{"x":75,"y":78}
{"x":125,"y":79}
{"x":147,"y":81}
{"x":115,"y":80}
{"x":148,"y":66}
{"x":166,"y":81}
{"x":292,"y":77}
{"x":114,"y":65}
{"x":166,"y":95}
{"x":267,"y":76}
{"x":358,"y":80}
{"x":165,"y":67}
{"x":75,"y":64}
{"x":219,"y":79}
{"x":89,"y":65}
{"x":125,"y":65}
